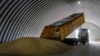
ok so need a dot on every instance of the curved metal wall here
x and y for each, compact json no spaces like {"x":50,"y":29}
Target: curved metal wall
{"x":22,"y":17}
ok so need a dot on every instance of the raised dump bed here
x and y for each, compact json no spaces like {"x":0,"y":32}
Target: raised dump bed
{"x":62,"y":28}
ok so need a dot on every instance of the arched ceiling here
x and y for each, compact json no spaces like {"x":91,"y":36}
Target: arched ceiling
{"x":20,"y":18}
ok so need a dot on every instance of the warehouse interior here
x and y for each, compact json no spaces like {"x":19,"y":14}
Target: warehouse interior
{"x":23,"y":21}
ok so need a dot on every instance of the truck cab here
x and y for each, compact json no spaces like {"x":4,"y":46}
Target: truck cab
{"x":83,"y":36}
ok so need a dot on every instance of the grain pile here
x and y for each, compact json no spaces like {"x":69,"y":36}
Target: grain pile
{"x":28,"y":45}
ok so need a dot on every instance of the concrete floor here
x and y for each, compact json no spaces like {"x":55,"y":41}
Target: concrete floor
{"x":91,"y":49}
